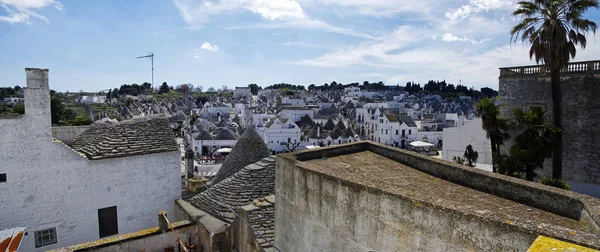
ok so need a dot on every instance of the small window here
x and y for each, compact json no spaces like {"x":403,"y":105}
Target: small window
{"x":396,"y":132}
{"x":45,"y":237}
{"x":409,"y":132}
{"x":107,"y":221}
{"x":2,"y":177}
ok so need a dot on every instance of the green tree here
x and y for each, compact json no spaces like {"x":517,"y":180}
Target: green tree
{"x":19,"y":108}
{"x":164,"y":88}
{"x":471,"y":156}
{"x":254,"y":88}
{"x":494,"y":125}
{"x":56,"y":109}
{"x":554,"y":29}
{"x":536,"y":140}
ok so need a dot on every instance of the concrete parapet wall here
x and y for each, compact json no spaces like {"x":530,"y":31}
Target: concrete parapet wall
{"x":148,"y":240}
{"x":316,"y":211}
{"x":319,"y":213}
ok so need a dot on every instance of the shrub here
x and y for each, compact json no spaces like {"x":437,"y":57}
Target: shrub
{"x":555,"y":182}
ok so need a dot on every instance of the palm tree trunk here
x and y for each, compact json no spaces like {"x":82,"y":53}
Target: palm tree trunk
{"x":557,"y":121}
{"x":494,"y":150}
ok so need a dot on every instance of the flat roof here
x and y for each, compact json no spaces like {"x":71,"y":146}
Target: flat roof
{"x":375,"y":166}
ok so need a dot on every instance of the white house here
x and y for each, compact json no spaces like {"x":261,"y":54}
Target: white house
{"x":215,"y":109}
{"x":91,"y":99}
{"x":103,"y":184}
{"x":296,"y":113}
{"x":241,"y":92}
{"x":278,"y":131}
{"x":12,"y":100}
{"x":293,"y":101}
{"x":205,"y":143}
{"x":456,"y":140}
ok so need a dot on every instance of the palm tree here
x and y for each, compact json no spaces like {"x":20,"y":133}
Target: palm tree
{"x":554,"y":28}
{"x":471,"y":156}
{"x":535,"y":141}
{"x":494,"y":125}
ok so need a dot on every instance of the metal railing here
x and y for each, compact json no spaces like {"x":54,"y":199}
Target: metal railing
{"x":573,"y":67}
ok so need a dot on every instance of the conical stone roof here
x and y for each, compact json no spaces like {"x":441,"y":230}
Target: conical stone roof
{"x":249,"y":149}
{"x":329,"y":125}
{"x":204,"y":135}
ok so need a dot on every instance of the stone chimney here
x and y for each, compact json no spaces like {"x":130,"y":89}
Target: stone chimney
{"x":189,"y":164}
{"x":37,"y":103}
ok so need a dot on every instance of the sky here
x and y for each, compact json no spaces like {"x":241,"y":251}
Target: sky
{"x":92,"y":45}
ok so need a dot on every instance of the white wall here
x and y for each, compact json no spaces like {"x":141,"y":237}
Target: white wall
{"x":457,"y":139}
{"x":49,"y":185}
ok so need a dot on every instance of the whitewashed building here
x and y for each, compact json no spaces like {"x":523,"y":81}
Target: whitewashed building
{"x":293,"y":101}
{"x":240,"y":92}
{"x":110,"y":180}
{"x":278,"y":131}
{"x":296,"y":113}
{"x":206,"y":144}
{"x":456,"y":140}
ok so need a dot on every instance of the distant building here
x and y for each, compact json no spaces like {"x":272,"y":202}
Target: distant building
{"x":12,"y":100}
{"x":456,"y":140}
{"x":277,"y":132}
{"x":112,"y":179}
{"x":242,"y":92}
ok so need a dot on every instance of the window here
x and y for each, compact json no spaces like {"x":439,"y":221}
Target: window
{"x":2,"y":177}
{"x":107,"y":221}
{"x":403,"y":132}
{"x":45,"y":237}
{"x":409,"y":132}
{"x":396,"y":132}
{"x":381,"y":131}
{"x":386,"y":132}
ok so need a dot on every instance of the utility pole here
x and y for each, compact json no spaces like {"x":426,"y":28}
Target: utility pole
{"x":151,"y":56}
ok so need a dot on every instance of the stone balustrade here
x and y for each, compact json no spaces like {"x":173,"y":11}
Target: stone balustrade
{"x":573,"y":67}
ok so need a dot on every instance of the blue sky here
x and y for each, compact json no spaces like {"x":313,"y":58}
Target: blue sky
{"x":92,"y":45}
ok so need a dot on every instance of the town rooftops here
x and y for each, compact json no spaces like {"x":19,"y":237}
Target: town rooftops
{"x":439,"y":185}
{"x":127,"y":138}
{"x":252,"y":182}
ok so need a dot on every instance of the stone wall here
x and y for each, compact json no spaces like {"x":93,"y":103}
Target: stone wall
{"x":580,"y":115}
{"x":148,"y":240}
{"x":319,"y":213}
{"x":67,"y":133}
{"x":51,"y":186}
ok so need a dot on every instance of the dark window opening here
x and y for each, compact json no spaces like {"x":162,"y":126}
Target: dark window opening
{"x":107,"y":221}
{"x":45,"y":237}
{"x":2,"y":177}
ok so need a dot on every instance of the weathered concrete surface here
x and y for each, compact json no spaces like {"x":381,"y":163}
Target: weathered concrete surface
{"x":317,"y":211}
{"x":580,"y":116}
{"x":49,"y":185}
{"x":67,"y":133}
{"x":212,"y":232}
{"x":148,"y":240}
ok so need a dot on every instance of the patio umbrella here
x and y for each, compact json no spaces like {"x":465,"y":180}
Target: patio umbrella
{"x":224,"y":150}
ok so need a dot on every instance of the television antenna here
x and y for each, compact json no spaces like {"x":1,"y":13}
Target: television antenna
{"x":151,"y":56}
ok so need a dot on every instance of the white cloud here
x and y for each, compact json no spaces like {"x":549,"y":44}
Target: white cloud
{"x":380,"y":8}
{"x":197,"y":57}
{"x":209,"y":47}
{"x":305,"y":24}
{"x":448,"y":37}
{"x":302,"y":44}
{"x":476,"y":6}
{"x":196,"y":13}
{"x":22,"y":11}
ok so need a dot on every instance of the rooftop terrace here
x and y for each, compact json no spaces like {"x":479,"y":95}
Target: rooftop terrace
{"x":529,"y":207}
